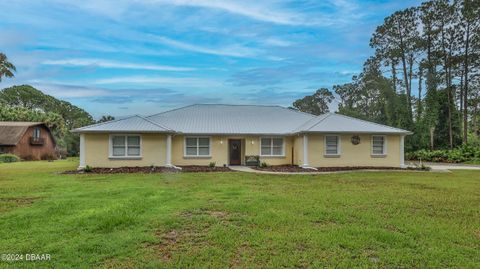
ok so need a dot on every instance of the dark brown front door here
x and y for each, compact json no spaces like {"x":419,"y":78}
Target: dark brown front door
{"x":235,"y":149}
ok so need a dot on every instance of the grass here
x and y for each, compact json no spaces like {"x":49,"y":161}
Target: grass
{"x":198,"y":220}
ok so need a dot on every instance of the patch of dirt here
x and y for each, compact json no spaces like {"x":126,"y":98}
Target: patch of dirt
{"x":352,"y":168}
{"x":283,"y":168}
{"x":477,"y":233}
{"x":321,"y":223}
{"x":201,"y":168}
{"x":296,"y":169}
{"x":148,"y":170}
{"x":236,"y":261}
{"x":20,"y":200}
{"x":191,"y":234}
{"x":126,"y":170}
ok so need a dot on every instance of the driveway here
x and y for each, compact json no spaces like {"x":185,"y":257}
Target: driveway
{"x":448,"y":166}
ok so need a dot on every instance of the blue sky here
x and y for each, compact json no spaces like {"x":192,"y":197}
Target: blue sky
{"x":146,"y":56}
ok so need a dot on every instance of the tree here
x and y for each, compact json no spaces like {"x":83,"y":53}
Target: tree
{"x":6,"y":67}
{"x":28,"y":98}
{"x":106,"y":118}
{"x":315,"y":104}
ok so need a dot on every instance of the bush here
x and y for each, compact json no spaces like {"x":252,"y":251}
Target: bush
{"x":212,"y":164}
{"x":48,"y":157}
{"x":9,"y":158}
{"x":462,"y":154}
{"x":263,"y":164}
{"x":88,"y":169}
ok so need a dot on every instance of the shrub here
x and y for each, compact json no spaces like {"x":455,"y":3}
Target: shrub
{"x":263,"y":164}
{"x":211,"y":164}
{"x":9,"y":158}
{"x":88,"y":169}
{"x":48,"y":157}
{"x":28,"y":157}
{"x":462,"y":154}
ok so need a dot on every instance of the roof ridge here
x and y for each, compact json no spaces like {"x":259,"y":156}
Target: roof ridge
{"x":206,"y":104}
{"x":379,"y":124}
{"x":105,"y":122}
{"x":326,"y":115}
{"x":170,"y":110}
{"x":298,"y":111}
{"x":154,"y":123}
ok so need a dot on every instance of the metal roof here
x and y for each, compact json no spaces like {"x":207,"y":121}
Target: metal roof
{"x":134,"y":123}
{"x":232,"y":119}
{"x":337,"y":123}
{"x":240,"y":119}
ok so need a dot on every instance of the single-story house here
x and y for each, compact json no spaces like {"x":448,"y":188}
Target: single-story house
{"x":237,"y":134}
{"x":28,"y":140}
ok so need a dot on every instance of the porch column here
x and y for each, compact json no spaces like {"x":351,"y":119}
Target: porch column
{"x":305,"y":150}
{"x":168,"y":159}
{"x":82,"y":151}
{"x":402,"y":151}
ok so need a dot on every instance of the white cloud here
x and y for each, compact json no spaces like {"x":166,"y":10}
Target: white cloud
{"x":234,"y":51}
{"x":277,"y":42}
{"x":250,"y":9}
{"x":183,"y":81}
{"x":114,"y":64}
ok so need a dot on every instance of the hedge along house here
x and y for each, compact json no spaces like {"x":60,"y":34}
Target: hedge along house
{"x":238,"y":134}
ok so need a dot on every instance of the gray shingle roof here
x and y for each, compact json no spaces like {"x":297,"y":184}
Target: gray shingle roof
{"x":240,"y":119}
{"x":134,"y":123}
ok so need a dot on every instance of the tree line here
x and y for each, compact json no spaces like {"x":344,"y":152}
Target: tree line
{"x":435,"y":48}
{"x":25,"y":103}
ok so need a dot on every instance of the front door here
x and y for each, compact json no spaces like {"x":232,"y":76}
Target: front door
{"x":235,"y":149}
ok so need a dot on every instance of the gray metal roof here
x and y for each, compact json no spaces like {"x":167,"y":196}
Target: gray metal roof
{"x":232,"y":119}
{"x":240,"y":119}
{"x":336,"y":123}
{"x":134,"y":123}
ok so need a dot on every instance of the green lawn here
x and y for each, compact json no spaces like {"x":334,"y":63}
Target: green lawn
{"x":358,"y":219}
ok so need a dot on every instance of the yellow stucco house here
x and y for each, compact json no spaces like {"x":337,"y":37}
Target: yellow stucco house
{"x":236,"y":134}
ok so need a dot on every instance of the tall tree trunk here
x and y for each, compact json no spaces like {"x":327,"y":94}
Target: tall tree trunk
{"x":432,"y":133}
{"x":419,"y":101}
{"x":448,"y":86}
{"x":405,"y":73}
{"x":465,"y":91}
{"x":394,"y":75}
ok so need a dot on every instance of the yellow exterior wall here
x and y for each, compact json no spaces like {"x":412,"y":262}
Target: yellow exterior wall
{"x":298,"y":150}
{"x":152,"y":151}
{"x":219,"y":151}
{"x":353,"y":155}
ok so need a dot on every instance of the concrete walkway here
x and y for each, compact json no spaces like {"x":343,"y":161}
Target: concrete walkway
{"x":448,"y":166}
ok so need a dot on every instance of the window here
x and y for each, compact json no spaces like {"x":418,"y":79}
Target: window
{"x":125,"y":146}
{"x":332,"y":145}
{"x":379,"y":145}
{"x":197,"y":146}
{"x":271,"y":147}
{"x":36,"y":133}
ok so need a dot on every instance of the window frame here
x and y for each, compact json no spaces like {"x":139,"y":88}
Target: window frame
{"x":339,"y":146}
{"x":185,"y":155}
{"x":271,"y":146}
{"x":384,"y":153}
{"x":35,"y":131}
{"x":126,"y":156}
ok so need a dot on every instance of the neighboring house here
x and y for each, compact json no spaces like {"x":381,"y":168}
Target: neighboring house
{"x":28,"y":140}
{"x":232,"y":134}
